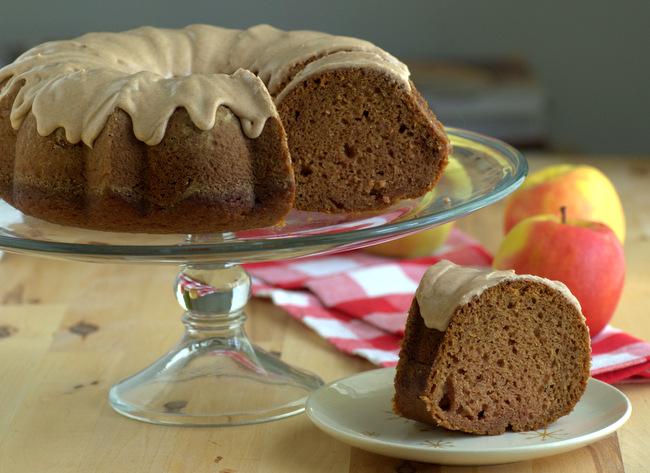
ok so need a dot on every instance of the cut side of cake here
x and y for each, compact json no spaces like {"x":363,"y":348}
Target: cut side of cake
{"x":359,"y":139}
{"x":485,"y":351}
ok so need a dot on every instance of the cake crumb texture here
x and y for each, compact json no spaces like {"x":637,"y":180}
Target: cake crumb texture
{"x":517,"y":356}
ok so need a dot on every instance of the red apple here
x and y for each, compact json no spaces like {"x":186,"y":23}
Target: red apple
{"x":584,"y":190}
{"x":586,"y":256}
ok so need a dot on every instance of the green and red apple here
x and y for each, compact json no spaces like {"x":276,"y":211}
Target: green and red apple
{"x":586,"y":256}
{"x":584,"y":190}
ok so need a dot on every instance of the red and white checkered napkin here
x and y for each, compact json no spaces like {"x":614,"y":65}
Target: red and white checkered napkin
{"x":359,"y":303}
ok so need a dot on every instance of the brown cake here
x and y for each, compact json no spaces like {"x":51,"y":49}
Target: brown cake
{"x":207,"y":129}
{"x":484,"y":351}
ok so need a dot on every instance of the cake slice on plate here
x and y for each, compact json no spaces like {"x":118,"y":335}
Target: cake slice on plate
{"x":484,"y":351}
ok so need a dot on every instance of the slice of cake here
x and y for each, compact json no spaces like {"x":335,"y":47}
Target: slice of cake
{"x":484,"y":351}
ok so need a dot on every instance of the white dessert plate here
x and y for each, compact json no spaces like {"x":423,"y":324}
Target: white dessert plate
{"x":358,"y":410}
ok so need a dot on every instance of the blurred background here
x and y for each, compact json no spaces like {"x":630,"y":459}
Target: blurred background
{"x":553,"y":75}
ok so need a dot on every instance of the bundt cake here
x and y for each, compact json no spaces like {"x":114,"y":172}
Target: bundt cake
{"x":207,"y":129}
{"x":484,"y":351}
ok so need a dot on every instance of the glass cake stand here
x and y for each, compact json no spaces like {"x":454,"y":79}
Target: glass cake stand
{"x":199,"y":381}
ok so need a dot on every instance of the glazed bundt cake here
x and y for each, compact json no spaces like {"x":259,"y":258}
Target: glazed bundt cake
{"x":484,"y":351}
{"x":207,"y":129}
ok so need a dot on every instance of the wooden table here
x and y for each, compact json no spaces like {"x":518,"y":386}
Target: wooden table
{"x":69,"y":330}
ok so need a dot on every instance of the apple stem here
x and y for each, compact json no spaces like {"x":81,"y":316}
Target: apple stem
{"x":563,"y":211}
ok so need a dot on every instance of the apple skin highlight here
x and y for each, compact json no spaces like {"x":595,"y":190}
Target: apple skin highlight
{"x":586,"y":256}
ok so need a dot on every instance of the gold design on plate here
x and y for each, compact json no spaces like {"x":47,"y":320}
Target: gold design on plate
{"x":544,"y":434}
{"x":437,"y":444}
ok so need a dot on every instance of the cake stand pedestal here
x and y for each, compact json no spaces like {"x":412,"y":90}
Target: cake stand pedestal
{"x":200,"y":381}
{"x":204,"y":378}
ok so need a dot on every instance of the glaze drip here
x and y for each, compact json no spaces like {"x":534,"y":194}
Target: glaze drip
{"x":446,"y":286}
{"x":149,"y":72}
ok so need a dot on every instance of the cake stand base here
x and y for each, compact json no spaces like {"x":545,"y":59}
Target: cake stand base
{"x":214,"y":375}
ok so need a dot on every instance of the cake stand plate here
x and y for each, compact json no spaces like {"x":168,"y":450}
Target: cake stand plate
{"x":199,"y":381}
